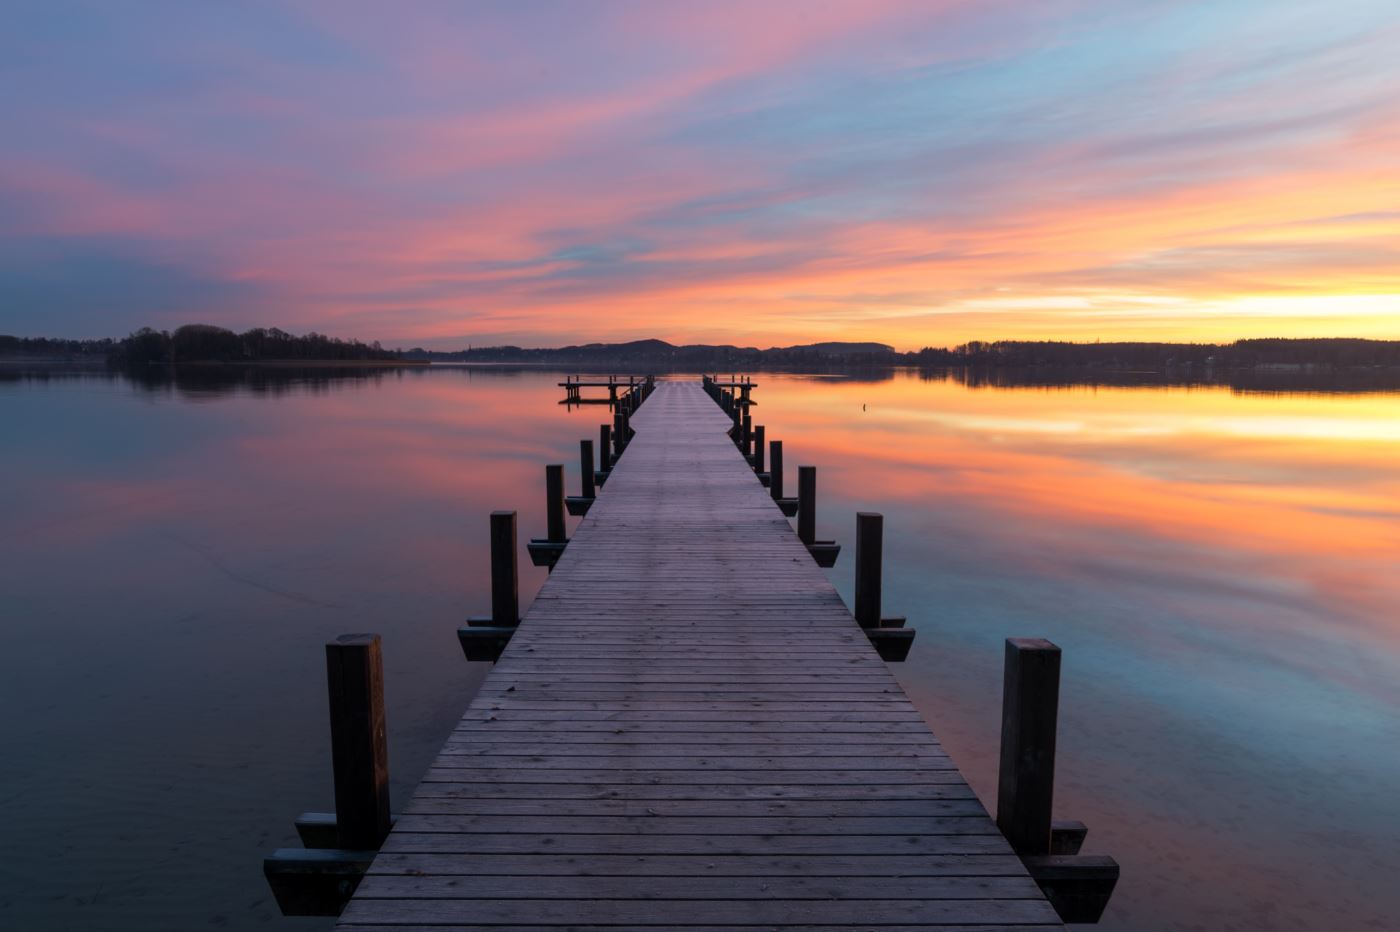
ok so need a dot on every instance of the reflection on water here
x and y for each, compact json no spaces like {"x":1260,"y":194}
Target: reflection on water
{"x":1218,"y":562}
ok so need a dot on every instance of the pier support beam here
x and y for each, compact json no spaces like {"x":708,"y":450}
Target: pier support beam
{"x":579,"y":504}
{"x":546,"y":552}
{"x":1078,"y":886}
{"x":870,"y":531}
{"x":788,"y":506}
{"x":320,"y":881}
{"x":359,"y":740}
{"x":604,"y":453}
{"x":824,"y":552}
{"x":757,"y":459}
{"x":1029,"y":709}
{"x":484,"y":637}
{"x":889,"y":635}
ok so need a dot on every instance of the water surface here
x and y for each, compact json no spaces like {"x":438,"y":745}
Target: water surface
{"x":1218,"y":565}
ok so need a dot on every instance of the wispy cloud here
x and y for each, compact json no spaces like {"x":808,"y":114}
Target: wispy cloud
{"x":910,"y":172}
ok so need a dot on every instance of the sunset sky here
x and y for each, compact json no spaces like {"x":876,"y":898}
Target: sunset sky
{"x":762,"y":173}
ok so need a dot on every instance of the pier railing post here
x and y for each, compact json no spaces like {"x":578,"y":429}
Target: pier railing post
{"x":359,"y":740}
{"x":807,"y":504}
{"x":1029,"y":708}
{"x":554,"y":502}
{"x":585,"y":462}
{"x":870,"y":528}
{"x":758,"y":444}
{"x":775,"y":469}
{"x":505,"y":570}
{"x":604,"y":447}
{"x":746,"y":434}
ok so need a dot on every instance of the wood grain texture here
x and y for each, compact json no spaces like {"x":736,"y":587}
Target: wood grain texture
{"x":689,"y":731}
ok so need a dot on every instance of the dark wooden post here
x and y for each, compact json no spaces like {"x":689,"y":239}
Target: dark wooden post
{"x":758,"y":444}
{"x":554,"y":502}
{"x":775,"y":469}
{"x":585,"y":462}
{"x":1030,"y":701}
{"x":619,"y":438}
{"x":359,"y":740}
{"x":505,"y":571}
{"x":746,"y":434}
{"x":807,"y":504}
{"x":870,"y":528}
{"x":604,"y":447}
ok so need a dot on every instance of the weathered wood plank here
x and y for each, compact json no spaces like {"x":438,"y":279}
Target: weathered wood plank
{"x":700,"y":865}
{"x":854,"y":887}
{"x":716,"y":912}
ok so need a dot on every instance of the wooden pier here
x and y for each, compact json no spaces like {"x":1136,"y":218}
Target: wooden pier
{"x":689,"y":729}
{"x":573,"y":388}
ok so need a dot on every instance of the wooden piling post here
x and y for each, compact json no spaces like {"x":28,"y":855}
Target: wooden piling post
{"x":746,"y":434}
{"x":870,"y":528}
{"x":775,"y":469}
{"x":585,"y":462}
{"x":807,"y":504}
{"x":758,"y":444}
{"x":554,"y":502}
{"x":359,"y":740}
{"x":505,"y":570}
{"x":1029,"y":708}
{"x":604,"y":447}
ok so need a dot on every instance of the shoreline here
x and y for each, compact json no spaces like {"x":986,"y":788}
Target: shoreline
{"x":223,"y":364}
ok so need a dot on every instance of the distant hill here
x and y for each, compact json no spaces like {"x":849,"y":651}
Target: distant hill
{"x":661,"y":353}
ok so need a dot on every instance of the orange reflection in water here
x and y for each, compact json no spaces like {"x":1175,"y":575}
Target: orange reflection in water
{"x":1299,"y":490}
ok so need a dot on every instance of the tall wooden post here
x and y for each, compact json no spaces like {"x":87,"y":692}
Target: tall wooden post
{"x":807,"y":504}
{"x":870,"y":528}
{"x":1030,"y":701}
{"x":359,"y":740}
{"x":505,"y":570}
{"x":619,"y":435}
{"x":605,"y":447}
{"x":758,"y":445}
{"x":585,"y":463}
{"x":554,"y":502}
{"x":746,"y":434}
{"x":775,"y":469}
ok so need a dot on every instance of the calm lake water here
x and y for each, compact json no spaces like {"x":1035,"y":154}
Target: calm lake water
{"x":1221,"y":568}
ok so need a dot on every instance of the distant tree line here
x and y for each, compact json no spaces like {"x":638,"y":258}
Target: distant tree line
{"x":206,"y":343}
{"x":46,"y":348}
{"x":1243,"y":354}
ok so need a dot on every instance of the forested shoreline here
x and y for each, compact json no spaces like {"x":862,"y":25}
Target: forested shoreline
{"x":200,"y":343}
{"x":203,"y":343}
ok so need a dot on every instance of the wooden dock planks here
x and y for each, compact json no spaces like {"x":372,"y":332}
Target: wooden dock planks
{"x":689,"y":731}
